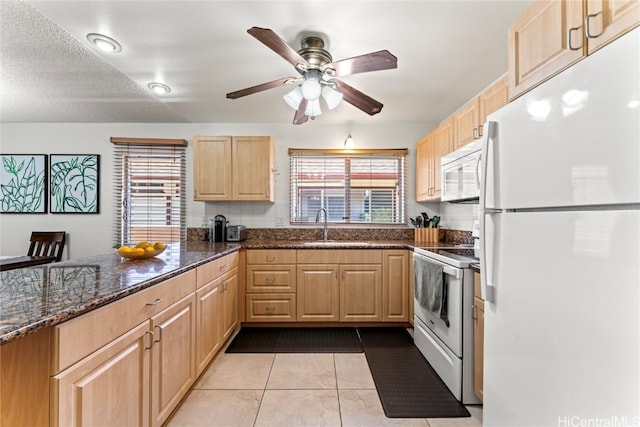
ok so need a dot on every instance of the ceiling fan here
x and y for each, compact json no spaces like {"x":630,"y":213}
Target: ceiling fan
{"x":318,"y":74}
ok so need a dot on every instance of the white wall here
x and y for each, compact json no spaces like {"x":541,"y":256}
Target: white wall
{"x":91,"y":234}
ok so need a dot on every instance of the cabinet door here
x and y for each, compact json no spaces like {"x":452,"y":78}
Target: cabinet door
{"x":478,"y":346}
{"x":110,"y":387}
{"x":466,"y":123}
{"x":229,"y":303}
{"x":606,"y":20}
{"x":173,"y":367}
{"x":360,"y":293}
{"x":209,"y":323}
{"x":212,"y":167}
{"x":424,"y":167}
{"x":395,"y":285}
{"x":318,"y":296}
{"x":548,"y":38}
{"x":493,"y":98}
{"x":442,"y":145}
{"x":253,"y":163}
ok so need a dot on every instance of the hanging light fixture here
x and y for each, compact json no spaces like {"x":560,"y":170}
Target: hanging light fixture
{"x":311,"y":89}
{"x":313,"y":108}
{"x":348,"y":143}
{"x":331,"y":96}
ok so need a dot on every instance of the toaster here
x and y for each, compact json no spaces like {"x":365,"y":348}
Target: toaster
{"x":236,"y":233}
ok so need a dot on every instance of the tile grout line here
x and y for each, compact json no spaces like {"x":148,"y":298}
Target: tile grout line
{"x":264,"y":390}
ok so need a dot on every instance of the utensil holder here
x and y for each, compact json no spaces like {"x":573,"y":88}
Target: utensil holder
{"x":427,"y":235}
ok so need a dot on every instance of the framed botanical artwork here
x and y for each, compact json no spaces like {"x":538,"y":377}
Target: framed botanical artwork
{"x":23,"y":183}
{"x":75,"y":183}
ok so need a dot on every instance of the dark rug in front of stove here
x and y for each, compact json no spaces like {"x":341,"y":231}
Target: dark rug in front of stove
{"x":296,"y":340}
{"x":407,"y":385}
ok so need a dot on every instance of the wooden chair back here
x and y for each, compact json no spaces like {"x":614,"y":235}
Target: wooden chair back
{"x":47,"y":243}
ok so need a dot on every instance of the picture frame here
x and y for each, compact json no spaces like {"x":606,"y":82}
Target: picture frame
{"x":23,"y":183}
{"x":75,"y":183}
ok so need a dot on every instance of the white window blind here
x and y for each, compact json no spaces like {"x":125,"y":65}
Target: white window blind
{"x":361,"y":186}
{"x":149,"y":181}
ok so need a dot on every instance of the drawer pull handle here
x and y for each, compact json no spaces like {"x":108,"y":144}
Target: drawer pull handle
{"x":156,"y":302}
{"x":270,"y":279}
{"x":270,"y":308}
{"x":222,"y":267}
{"x":271,"y":258}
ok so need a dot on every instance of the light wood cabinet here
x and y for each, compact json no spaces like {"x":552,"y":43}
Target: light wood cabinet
{"x":424,"y":168}
{"x":545,"y":40}
{"x":607,"y":20}
{"x":360,"y":292}
{"x":271,"y":285}
{"x":209,"y":323}
{"x":110,"y":387}
{"x":478,"y":338}
{"x":318,"y":296}
{"x":234,"y":168}
{"x":210,"y":307}
{"x":493,"y":98}
{"x":229,"y":303}
{"x":429,"y":151}
{"x":395,"y":285}
{"x":467,"y":123}
{"x":173,"y":364}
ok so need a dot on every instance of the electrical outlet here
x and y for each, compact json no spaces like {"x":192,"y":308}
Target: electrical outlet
{"x":279,"y":221}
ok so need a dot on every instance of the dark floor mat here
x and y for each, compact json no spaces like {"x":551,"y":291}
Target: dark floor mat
{"x":407,"y":385}
{"x":296,"y":340}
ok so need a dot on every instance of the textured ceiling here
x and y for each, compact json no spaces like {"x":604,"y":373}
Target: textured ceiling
{"x":447,"y":52}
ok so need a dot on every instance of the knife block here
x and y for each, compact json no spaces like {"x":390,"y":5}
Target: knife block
{"x":427,"y":235}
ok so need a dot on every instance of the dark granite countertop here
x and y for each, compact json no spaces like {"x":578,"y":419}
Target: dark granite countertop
{"x":36,"y":297}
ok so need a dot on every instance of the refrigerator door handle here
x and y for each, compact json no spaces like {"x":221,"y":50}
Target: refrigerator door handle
{"x":486,"y":289}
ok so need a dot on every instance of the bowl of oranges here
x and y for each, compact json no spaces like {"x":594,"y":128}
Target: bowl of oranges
{"x":143,"y":250}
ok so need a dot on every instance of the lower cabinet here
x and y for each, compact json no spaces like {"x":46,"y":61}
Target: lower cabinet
{"x":270,"y":307}
{"x":318,"y":296}
{"x":229,"y":303}
{"x":110,"y":387}
{"x":360,"y":292}
{"x":135,"y":380}
{"x":396,"y":294}
{"x":209,"y":323}
{"x":478,"y":338}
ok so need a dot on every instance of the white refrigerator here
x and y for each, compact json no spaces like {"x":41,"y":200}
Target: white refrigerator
{"x":560,"y":248}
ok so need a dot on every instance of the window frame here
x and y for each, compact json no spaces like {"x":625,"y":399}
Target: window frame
{"x":348,"y":192}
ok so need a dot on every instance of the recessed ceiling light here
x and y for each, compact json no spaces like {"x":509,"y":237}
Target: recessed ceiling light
{"x":104,"y":43}
{"x":159,"y":88}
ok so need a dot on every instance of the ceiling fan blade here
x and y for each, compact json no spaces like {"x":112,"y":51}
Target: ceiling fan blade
{"x":374,"y":61}
{"x":261,"y":87}
{"x":279,"y":46}
{"x":300,"y":118}
{"x":358,"y":99}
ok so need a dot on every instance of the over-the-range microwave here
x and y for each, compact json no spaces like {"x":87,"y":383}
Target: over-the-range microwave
{"x":460,"y":174}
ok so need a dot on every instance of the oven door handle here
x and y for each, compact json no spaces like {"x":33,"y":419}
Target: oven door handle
{"x":451,"y":271}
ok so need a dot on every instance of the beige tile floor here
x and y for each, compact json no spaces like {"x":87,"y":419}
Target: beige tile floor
{"x":293,"y":390}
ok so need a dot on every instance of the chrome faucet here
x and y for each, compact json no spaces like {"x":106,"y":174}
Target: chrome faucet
{"x":325,"y":231}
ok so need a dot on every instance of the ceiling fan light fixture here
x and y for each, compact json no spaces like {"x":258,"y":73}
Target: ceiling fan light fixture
{"x":311,"y":87}
{"x":331,"y":96}
{"x":294,"y":98}
{"x":313,"y":109}
{"x":104,"y":43}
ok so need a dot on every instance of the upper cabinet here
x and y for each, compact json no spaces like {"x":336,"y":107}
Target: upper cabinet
{"x":542,"y":42}
{"x":424,"y":168}
{"x":234,"y":168}
{"x":467,"y":124}
{"x":608,"y":19}
{"x":552,"y":35}
{"x":493,"y":98}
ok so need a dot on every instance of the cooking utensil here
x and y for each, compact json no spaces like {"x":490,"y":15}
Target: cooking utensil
{"x":419,"y":221}
{"x":413,"y":222}
{"x":435,"y":221}
{"x":425,"y":216}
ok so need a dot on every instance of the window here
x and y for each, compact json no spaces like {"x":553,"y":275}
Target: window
{"x":361,"y":186}
{"x":149,"y":181}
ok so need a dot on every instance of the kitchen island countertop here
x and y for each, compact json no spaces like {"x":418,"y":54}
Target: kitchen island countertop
{"x":36,"y":297}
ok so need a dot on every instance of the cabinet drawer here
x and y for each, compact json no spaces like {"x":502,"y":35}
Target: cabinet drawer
{"x":271,"y":307}
{"x":271,"y":256}
{"x":216,"y":268}
{"x":79,"y":337}
{"x":271,"y":278}
{"x":340,"y":256}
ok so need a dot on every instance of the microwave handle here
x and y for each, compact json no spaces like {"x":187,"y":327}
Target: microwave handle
{"x":478,"y":161}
